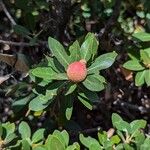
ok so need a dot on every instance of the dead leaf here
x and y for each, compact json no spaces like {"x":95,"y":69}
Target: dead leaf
{"x":128,"y":74}
{"x":110,"y":132}
{"x":4,"y":78}
{"x":19,"y":63}
{"x":6,"y":47}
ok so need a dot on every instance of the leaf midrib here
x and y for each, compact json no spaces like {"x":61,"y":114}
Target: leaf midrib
{"x":88,"y":49}
{"x":62,"y":56}
{"x":98,"y":65}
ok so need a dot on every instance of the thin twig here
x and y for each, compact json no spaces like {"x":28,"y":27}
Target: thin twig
{"x":7,"y":13}
{"x":24,"y":44}
{"x":92,"y":130}
{"x":16,"y":43}
{"x":86,"y":131}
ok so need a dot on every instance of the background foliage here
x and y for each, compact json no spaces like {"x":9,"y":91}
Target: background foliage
{"x":112,"y":27}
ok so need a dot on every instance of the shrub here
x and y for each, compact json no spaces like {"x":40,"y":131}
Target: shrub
{"x":54,"y":78}
{"x":127,"y":136}
{"x":53,"y":84}
{"x":140,"y":60}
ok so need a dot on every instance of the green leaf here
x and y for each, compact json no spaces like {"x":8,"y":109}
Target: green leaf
{"x":85,"y":7}
{"x":95,"y":147}
{"x":102,"y":62}
{"x":74,"y":50}
{"x":89,"y":47}
{"x":119,"y":146}
{"x":146,"y":144}
{"x":21,"y":30}
{"x":71,"y":87}
{"x":85,"y":101}
{"x":139,"y":78}
{"x":69,"y":106}
{"x":62,"y":137}
{"x":90,"y":95}
{"x":58,"y":51}
{"x":24,"y":130}
{"x":38,"y":103}
{"x":147,"y":50}
{"x":9,"y":127}
{"x":139,"y":139}
{"x":55,"y":87}
{"x":102,"y":137}
{"x":93,"y":83}
{"x":60,"y":76}
{"x":10,"y":137}
{"x":123,"y":126}
{"x":121,"y":135}
{"x":16,"y":146}
{"x":55,"y":65}
{"x":115,"y":139}
{"x":108,"y":145}
{"x":142,"y":36}
{"x":89,"y":141}
{"x":137,"y":124}
{"x":100,"y":78}
{"x":42,"y":101}
{"x":140,"y":14}
{"x":53,"y":143}
{"x":145,"y":57}
{"x":119,"y":123}
{"x":25,"y":145}
{"x":43,"y":72}
{"x":38,"y":136}
{"x":95,"y":43}
{"x":133,"y":65}
{"x":21,"y":103}
{"x":65,"y":135}
{"x":75,"y":146}
{"x":127,"y":147}
{"x":147,"y":77}
{"x":39,"y":148}
{"x":47,"y":73}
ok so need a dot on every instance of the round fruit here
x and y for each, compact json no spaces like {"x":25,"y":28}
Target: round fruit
{"x":77,"y":71}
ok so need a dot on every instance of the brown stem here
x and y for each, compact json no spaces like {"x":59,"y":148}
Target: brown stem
{"x":7,"y":13}
{"x":23,"y":44}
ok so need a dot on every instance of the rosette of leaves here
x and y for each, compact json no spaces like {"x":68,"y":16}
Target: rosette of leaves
{"x":103,"y":142}
{"x":7,"y":135}
{"x":21,"y":138}
{"x":140,"y":64}
{"x":128,"y":136}
{"x":131,"y":134}
{"x":54,"y":83}
{"x":57,"y":140}
{"x":60,"y":140}
{"x":37,"y":141}
{"x":29,"y":140}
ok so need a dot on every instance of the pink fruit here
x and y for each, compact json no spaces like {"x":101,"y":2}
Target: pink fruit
{"x":77,"y":71}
